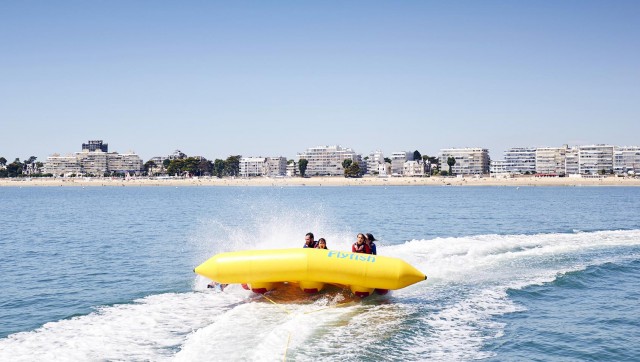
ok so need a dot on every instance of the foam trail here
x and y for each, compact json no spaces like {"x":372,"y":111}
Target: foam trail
{"x":470,"y":278}
{"x":449,"y":317}
{"x":151,"y":328}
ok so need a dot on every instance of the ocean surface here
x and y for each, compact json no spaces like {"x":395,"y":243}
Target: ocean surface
{"x":515,"y":274}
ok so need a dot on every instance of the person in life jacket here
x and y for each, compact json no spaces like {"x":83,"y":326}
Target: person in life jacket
{"x":309,"y":241}
{"x":370,"y":241}
{"x":360,"y":246}
{"x":322,"y":244}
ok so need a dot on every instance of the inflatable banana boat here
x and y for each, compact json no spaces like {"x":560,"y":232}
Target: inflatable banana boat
{"x":263,"y":270}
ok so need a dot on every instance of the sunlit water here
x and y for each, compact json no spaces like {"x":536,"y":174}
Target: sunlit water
{"x":514,"y":274}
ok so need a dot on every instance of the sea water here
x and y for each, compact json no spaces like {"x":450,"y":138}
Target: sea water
{"x":528,"y":273}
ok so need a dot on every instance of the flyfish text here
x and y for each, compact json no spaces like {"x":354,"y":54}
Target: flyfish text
{"x":351,"y":256}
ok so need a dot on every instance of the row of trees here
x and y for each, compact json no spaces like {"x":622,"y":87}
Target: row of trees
{"x":19,"y":168}
{"x":195,"y":167}
{"x":203,"y":167}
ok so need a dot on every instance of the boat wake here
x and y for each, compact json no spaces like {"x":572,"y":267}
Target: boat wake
{"x":449,"y":317}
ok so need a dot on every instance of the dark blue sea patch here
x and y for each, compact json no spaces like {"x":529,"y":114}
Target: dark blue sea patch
{"x":588,"y":315}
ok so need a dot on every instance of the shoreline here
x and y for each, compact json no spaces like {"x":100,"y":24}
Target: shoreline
{"x":328,"y":181}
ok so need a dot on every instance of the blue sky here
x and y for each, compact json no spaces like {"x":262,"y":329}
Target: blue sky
{"x":271,"y":78}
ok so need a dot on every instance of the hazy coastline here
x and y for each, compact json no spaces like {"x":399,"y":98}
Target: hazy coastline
{"x":328,"y":181}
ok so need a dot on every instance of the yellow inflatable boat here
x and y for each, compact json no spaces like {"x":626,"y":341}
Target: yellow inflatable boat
{"x":262,"y":270}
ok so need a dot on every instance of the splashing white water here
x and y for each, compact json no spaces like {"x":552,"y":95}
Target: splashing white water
{"x":449,"y":317}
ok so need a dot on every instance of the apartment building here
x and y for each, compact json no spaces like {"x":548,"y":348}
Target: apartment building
{"x":398,"y":160}
{"x":292,"y":169}
{"x":594,"y":159}
{"x":384,"y":169}
{"x":275,"y":166}
{"x":469,"y":161}
{"x":93,"y":160}
{"x":62,"y":165}
{"x":327,"y":160}
{"x":263,"y":166}
{"x":376,"y":158}
{"x":626,"y":160}
{"x":252,"y":166}
{"x":520,"y":160}
{"x":129,"y":163}
{"x":414,"y":168}
{"x":571,"y":165}
{"x":551,"y":160}
{"x":498,"y":168}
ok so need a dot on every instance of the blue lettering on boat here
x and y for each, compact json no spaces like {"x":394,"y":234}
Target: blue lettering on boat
{"x":351,"y":256}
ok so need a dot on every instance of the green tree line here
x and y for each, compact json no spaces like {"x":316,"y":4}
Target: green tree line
{"x":19,"y":168}
{"x":196,"y":167}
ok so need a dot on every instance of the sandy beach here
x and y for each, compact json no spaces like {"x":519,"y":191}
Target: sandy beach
{"x":329,"y":181}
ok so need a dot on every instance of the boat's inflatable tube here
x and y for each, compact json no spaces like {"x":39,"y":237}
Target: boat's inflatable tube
{"x":311,"y":268}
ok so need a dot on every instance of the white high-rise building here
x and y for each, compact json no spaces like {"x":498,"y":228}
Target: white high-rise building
{"x":397,"y":161}
{"x":469,"y":161}
{"x":572,"y":166}
{"x":124,"y":163}
{"x":62,"y":165}
{"x":595,"y":159}
{"x":327,"y":160}
{"x":275,"y":166}
{"x":376,"y":158}
{"x":520,"y":160}
{"x":626,"y":160}
{"x":93,"y":162}
{"x":252,"y":166}
{"x":551,"y":160}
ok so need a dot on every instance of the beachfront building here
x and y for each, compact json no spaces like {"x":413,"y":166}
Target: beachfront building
{"x":384,"y":169}
{"x":520,"y":160}
{"x":414,"y":168}
{"x":275,"y":166}
{"x":292,"y":168}
{"x":595,"y":159}
{"x":376,"y":158}
{"x":571,"y":164}
{"x":498,"y":168}
{"x":469,"y":161}
{"x":551,"y":160}
{"x":62,"y":165}
{"x":398,"y":160}
{"x":626,"y":160}
{"x":127,"y":163}
{"x":252,"y":166}
{"x":327,"y":160}
{"x":94,"y":160}
{"x":96,"y":163}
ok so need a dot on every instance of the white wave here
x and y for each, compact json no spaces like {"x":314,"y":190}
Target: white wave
{"x":487,"y":257}
{"x":448,"y":317}
{"x":151,"y":328}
